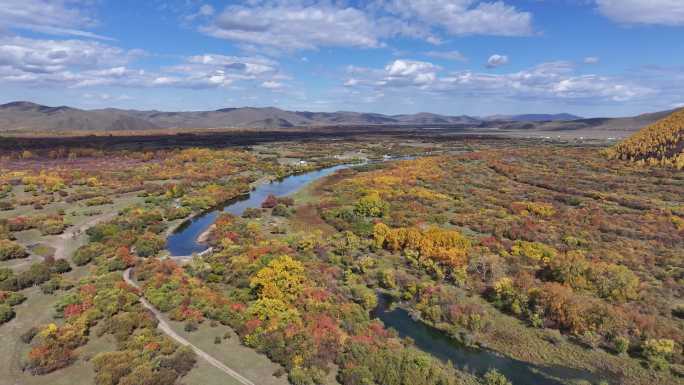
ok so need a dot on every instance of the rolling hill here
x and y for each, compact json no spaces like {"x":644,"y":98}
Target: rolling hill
{"x":659,"y":143}
{"x":31,"y":117}
{"x":27,"y":116}
{"x":534,"y":117}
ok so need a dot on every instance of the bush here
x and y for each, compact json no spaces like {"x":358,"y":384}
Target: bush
{"x":11,"y":250}
{"x":306,"y":376}
{"x":190,"y":326}
{"x":174,"y":213}
{"x":61,"y":266}
{"x":98,"y":201}
{"x":6,"y":313}
{"x":50,"y":286}
{"x":371,"y":205}
{"x":51,"y":226}
{"x":281,"y":210}
{"x":493,"y":377}
{"x":27,"y":336}
{"x":182,"y":361}
{"x":217,"y":340}
{"x":14,"y":299}
{"x":658,"y":352}
{"x":678,"y":311}
{"x":270,"y":202}
{"x":35,"y":275}
{"x":287,"y":201}
{"x":149,"y":244}
{"x":251,"y":212}
{"x":87,"y":253}
{"x":621,"y":344}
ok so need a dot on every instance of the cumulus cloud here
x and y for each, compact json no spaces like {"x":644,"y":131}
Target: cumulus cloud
{"x":412,"y":71}
{"x":497,"y":61}
{"x":311,"y":24}
{"x":466,"y":17}
{"x":55,"y":17}
{"x":250,"y":66}
{"x":663,"y":12}
{"x":591,"y":60}
{"x":50,"y":56}
{"x":78,"y":63}
{"x":210,"y":71}
{"x":295,"y":26}
{"x":547,"y":81}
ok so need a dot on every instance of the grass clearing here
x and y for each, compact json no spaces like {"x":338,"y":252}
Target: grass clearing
{"x":246,"y":361}
{"x":35,"y":311}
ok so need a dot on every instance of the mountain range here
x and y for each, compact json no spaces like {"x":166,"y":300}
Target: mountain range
{"x":27,"y":116}
{"x":30,"y":117}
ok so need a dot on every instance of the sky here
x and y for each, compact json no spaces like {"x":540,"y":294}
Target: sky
{"x":456,"y":57}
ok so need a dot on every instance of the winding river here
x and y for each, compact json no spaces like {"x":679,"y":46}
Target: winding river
{"x":183,"y":242}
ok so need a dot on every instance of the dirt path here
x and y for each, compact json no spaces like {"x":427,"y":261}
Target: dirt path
{"x":59,"y":242}
{"x":166,"y":328}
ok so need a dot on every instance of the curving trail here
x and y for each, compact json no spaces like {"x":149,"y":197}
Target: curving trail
{"x":166,"y":328}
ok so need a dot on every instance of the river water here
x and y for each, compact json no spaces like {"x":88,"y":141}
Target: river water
{"x":442,"y":346}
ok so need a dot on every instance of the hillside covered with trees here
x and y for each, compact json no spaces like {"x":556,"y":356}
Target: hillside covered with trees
{"x":659,"y":143}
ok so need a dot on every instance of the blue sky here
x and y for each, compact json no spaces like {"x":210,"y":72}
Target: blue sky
{"x":588,"y":57}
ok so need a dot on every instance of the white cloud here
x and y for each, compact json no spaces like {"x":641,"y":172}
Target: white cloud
{"x":409,"y":72}
{"x":272,"y":85}
{"x":55,"y":17}
{"x":448,"y":55}
{"x":50,"y":56}
{"x":497,"y":61}
{"x":206,"y":10}
{"x":210,"y":71}
{"x":247,"y":65}
{"x":104,"y":97}
{"x":591,"y":60}
{"x":295,"y":26}
{"x":466,"y":17}
{"x":663,"y":12}
{"x":78,"y":63}
{"x":548,"y":81}
{"x":311,"y":24}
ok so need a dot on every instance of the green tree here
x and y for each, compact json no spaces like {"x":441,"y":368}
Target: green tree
{"x":6,"y":313}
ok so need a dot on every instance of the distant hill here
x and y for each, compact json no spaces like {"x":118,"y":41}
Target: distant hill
{"x":607,"y":126}
{"x":27,"y":116}
{"x":659,"y":143}
{"x":534,"y":117}
{"x":31,"y":117}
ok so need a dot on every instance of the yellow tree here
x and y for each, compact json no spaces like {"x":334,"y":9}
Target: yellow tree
{"x":283,"y":279}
